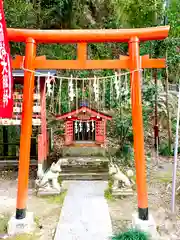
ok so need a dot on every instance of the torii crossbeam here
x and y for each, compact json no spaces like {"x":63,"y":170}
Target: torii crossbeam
{"x":133,"y":62}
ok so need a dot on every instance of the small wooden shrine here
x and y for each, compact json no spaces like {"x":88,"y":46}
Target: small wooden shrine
{"x":84,"y":125}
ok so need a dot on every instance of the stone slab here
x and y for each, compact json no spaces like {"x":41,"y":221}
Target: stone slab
{"x":85,"y":213}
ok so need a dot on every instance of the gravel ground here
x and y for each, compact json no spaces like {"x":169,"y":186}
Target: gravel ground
{"x":45,"y":210}
{"x":120,"y":210}
{"x":159,"y":198}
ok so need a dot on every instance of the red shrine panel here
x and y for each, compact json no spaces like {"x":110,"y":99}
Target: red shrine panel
{"x":69,"y":132}
{"x":17,"y":110}
{"x":100,"y":131}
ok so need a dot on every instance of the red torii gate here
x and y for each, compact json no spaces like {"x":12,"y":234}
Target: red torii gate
{"x":82,"y":37}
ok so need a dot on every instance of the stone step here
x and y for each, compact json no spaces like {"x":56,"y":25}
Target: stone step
{"x":83,"y":151}
{"x":84,"y":176}
{"x":84,"y":160}
{"x":83,"y":169}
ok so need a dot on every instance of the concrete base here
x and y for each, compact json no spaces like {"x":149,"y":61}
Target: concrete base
{"x":20,"y":226}
{"x":148,"y":226}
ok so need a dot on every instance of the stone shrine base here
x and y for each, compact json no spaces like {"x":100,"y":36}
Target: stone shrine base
{"x":20,"y":226}
{"x":148,"y":226}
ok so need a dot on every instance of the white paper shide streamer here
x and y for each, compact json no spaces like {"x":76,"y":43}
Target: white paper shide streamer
{"x":48,"y":85}
{"x":93,"y":127}
{"x":96,"y":89}
{"x":117,"y":85}
{"x":88,"y":126}
{"x":71,"y":89}
{"x":76,"y":127}
{"x":80,"y":127}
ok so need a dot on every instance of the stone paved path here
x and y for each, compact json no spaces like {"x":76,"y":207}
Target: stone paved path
{"x":85,"y":213}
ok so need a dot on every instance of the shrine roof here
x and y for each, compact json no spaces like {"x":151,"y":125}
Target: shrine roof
{"x":83,"y":109}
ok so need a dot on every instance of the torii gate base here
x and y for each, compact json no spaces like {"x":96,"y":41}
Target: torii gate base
{"x":134,"y":62}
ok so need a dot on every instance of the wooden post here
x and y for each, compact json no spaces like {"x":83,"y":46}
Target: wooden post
{"x":26,"y":129}
{"x":43,"y":120}
{"x":137,"y":122}
{"x":5,"y":141}
{"x":156,"y":128}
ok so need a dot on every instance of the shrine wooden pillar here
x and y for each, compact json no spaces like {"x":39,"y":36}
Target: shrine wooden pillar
{"x":137,"y":123}
{"x":26,"y":129}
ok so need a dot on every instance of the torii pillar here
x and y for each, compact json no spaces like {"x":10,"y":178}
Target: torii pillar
{"x":137,"y":123}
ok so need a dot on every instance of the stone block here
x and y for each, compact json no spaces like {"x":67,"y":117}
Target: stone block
{"x":122,"y":192}
{"x":20,"y":226}
{"x":44,"y":192}
{"x":148,"y":226}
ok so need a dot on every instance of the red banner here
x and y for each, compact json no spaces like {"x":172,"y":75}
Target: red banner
{"x":6,"y":79}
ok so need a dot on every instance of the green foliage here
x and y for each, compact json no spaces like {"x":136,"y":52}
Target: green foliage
{"x":131,"y":235}
{"x":108,"y":194}
{"x":120,"y":128}
{"x":173,"y":15}
{"x":21,"y":14}
{"x":56,"y":199}
{"x":108,"y":191}
{"x":4,"y":223}
{"x":133,"y":13}
{"x":164,"y":149}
